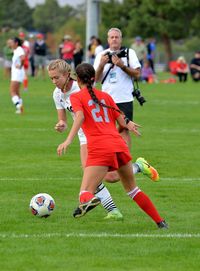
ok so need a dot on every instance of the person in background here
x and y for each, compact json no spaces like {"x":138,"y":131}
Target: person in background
{"x":68,"y":49}
{"x":182,"y":69}
{"x":151,"y":48}
{"x":78,"y":53}
{"x":99,"y":48}
{"x":40,"y":52}
{"x":91,"y":49}
{"x":195,"y":67}
{"x":96,"y":112}
{"x":17,"y":74}
{"x":140,"y":49}
{"x":31,"y":54}
{"x":7,"y":56}
{"x":26,"y":47}
{"x":147,"y":72}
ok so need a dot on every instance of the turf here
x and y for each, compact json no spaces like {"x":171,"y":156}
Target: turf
{"x":29,"y":165}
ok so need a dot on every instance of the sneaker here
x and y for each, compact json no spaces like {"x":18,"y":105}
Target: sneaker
{"x":162,"y":225}
{"x":86,"y":207}
{"x":19,"y":109}
{"x":114,"y":215}
{"x":147,"y":169}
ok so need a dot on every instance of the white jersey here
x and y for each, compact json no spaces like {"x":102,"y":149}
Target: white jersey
{"x":118,"y":83}
{"x":62,"y":101}
{"x":17,"y":74}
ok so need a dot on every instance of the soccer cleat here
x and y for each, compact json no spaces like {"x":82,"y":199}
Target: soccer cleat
{"x":147,"y":169}
{"x":162,"y":225}
{"x":86,"y":207}
{"x":19,"y":109}
{"x":114,"y":215}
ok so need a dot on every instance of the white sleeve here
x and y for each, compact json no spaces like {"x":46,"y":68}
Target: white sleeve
{"x":133,"y":60}
{"x":56,"y":98}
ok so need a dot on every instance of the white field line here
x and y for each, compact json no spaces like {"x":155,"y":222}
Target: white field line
{"x":189,"y":179}
{"x":99,"y":235}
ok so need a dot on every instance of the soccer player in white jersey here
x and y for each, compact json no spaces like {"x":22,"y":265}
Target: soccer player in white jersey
{"x":64,"y":78}
{"x":17,"y":74}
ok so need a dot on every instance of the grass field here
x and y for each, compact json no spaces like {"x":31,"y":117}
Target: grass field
{"x":29,"y":165}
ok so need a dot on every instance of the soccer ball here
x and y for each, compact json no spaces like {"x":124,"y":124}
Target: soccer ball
{"x":42,"y":205}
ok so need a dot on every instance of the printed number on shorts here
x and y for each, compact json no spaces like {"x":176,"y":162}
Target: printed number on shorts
{"x":97,"y":110}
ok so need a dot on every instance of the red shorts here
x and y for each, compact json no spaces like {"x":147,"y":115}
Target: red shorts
{"x":113,"y":160}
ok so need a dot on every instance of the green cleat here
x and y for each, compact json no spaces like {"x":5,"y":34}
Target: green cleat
{"x":114,"y":215}
{"x":147,"y":169}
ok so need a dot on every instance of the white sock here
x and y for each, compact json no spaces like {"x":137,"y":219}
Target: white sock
{"x":15,"y":100}
{"x":106,"y":200}
{"x":136,"y":168}
{"x":20,"y":101}
{"x":134,"y":192}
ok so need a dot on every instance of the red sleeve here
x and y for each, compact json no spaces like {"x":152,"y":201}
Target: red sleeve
{"x":76,"y":103}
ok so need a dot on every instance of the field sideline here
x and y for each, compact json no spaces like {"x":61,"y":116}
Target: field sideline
{"x":29,"y":165}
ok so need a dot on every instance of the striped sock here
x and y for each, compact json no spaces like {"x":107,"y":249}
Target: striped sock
{"x":106,"y":200}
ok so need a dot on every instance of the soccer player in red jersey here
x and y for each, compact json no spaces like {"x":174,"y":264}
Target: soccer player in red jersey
{"x":96,"y":112}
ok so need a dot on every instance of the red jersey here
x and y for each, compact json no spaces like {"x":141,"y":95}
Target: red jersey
{"x":69,"y":46}
{"x":99,"y":123}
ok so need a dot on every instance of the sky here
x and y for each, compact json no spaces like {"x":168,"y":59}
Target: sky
{"x":74,"y":3}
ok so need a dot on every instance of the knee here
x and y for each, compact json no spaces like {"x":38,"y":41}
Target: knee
{"x":112,"y":177}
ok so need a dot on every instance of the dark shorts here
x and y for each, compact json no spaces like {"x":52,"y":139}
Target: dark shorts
{"x":127,"y":108}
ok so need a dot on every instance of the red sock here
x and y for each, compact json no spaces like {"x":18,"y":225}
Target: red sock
{"x":85,"y":196}
{"x":147,"y":206}
{"x":25,"y":83}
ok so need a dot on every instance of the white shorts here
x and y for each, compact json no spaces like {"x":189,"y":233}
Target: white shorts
{"x":82,"y":137}
{"x":17,"y":75}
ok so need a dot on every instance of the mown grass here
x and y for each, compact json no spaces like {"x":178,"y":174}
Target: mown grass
{"x":29,"y":165}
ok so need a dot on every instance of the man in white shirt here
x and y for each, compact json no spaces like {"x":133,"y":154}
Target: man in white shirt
{"x":116,"y":74}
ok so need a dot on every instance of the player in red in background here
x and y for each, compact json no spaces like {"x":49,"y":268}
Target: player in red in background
{"x":96,"y":112}
{"x":26,"y":47}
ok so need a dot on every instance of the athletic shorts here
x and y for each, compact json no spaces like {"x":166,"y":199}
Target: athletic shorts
{"x":17,"y":75}
{"x":113,"y":160}
{"x":127,"y":108}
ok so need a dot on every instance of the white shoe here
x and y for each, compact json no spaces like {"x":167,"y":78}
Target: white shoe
{"x":19,"y":109}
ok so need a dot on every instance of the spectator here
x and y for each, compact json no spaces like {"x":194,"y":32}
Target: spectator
{"x":31,"y":54}
{"x":91,"y":50}
{"x":7,"y":55}
{"x":151,"y":47}
{"x":68,"y":49}
{"x":40,"y":52}
{"x":60,"y":47}
{"x":140,"y":49}
{"x":78,"y":53}
{"x":99,"y":48}
{"x":147,"y":72}
{"x":195,"y":67}
{"x":182,"y":69}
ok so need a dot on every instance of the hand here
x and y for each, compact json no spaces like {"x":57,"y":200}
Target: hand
{"x":63,"y":147}
{"x":117,"y":61}
{"x":18,"y":66}
{"x":132,"y":126}
{"x":61,"y":126}
{"x":104,"y":60}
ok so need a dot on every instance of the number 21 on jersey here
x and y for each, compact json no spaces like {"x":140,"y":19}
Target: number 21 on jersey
{"x":96,"y":110}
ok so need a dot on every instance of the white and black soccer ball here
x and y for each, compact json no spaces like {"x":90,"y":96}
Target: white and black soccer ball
{"x":42,"y":205}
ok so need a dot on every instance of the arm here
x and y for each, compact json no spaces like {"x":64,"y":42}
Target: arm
{"x":22,"y":58}
{"x":61,"y":125}
{"x":78,"y":120}
{"x":99,"y":71}
{"x":128,"y":124}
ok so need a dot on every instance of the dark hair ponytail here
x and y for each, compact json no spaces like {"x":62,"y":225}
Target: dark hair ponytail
{"x":86,"y":74}
{"x":18,"y":41}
